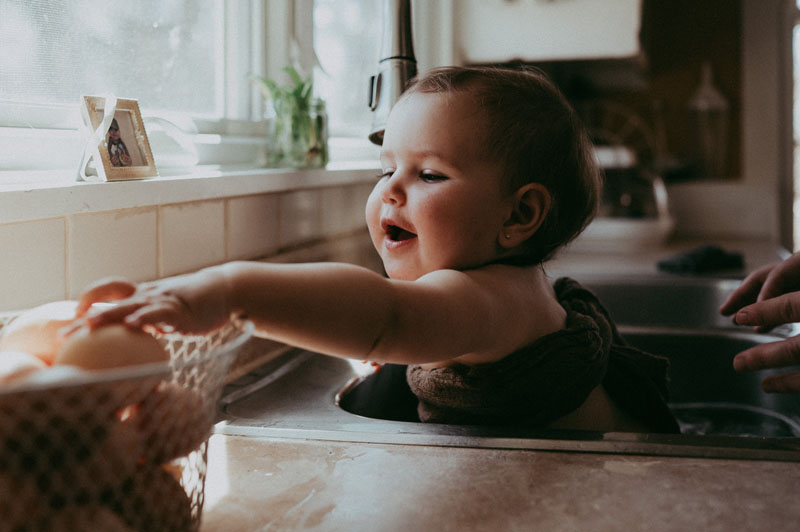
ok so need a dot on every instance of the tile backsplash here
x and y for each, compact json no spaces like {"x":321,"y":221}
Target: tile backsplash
{"x":55,"y":258}
{"x":33,"y":266}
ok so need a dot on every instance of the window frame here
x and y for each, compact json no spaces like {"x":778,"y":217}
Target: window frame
{"x":789,"y":187}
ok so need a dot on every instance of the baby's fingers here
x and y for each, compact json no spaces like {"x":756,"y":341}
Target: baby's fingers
{"x":99,"y":316}
{"x":163,"y":316}
{"x":109,"y":289}
{"x":114,"y":314}
{"x":779,"y":354}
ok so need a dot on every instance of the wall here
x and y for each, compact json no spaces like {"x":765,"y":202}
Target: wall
{"x":755,"y":201}
{"x":751,"y":205}
{"x":47,"y":258}
{"x":531,"y":30}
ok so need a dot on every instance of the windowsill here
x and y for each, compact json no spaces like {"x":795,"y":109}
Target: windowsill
{"x":48,"y":199}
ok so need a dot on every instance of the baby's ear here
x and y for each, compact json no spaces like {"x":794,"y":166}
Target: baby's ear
{"x":531,"y":203}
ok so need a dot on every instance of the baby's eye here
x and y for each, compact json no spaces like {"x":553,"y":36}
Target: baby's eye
{"x":386,"y":173}
{"x":431,"y":177}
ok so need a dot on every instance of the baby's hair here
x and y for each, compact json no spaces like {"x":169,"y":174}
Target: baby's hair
{"x":534,"y":132}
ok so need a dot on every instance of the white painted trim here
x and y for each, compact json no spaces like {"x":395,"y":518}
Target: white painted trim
{"x":48,"y":200}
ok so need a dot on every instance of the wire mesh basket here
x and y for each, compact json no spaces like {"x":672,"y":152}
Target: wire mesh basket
{"x":121,"y":449}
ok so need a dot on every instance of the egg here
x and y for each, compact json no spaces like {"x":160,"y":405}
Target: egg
{"x":173,"y":420}
{"x":111,"y":346}
{"x":51,"y":376}
{"x":35,"y":331}
{"x":20,"y":502}
{"x":83,"y":518}
{"x":18,"y":364}
{"x":71,"y":437}
{"x":152,"y":499}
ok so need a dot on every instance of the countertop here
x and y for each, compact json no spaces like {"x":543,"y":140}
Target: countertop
{"x":586,"y":260}
{"x":267,"y":483}
{"x":284,"y":484}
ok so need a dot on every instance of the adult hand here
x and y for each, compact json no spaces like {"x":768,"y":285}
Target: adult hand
{"x":765,"y":284}
{"x":766,"y":298}
{"x":780,"y":354}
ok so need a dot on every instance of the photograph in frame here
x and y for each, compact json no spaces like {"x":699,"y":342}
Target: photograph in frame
{"x":124,"y":151}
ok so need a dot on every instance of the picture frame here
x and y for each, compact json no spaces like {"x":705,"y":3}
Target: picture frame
{"x":124,"y":150}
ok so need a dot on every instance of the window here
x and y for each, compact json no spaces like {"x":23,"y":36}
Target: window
{"x":186,"y":61}
{"x":796,"y":126}
{"x":163,"y":53}
{"x":347,"y":42}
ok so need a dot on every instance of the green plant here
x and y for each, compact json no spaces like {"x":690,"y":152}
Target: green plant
{"x":299,"y":93}
{"x":299,"y":139}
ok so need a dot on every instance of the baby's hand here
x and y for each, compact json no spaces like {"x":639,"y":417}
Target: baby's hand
{"x":109,"y":289}
{"x":193,"y":303}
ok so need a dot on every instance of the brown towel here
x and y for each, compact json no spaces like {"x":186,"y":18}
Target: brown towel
{"x":551,"y":377}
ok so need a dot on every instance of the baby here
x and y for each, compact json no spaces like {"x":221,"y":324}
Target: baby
{"x":486,"y":173}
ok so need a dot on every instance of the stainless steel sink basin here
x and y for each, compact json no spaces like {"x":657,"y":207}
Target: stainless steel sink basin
{"x":706,"y":395}
{"x":668,"y":301}
{"x":722,"y":413}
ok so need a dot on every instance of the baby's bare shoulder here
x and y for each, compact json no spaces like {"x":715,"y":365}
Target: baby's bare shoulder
{"x":510,"y":284}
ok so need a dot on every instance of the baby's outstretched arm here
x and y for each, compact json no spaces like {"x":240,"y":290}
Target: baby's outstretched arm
{"x":336,"y":309}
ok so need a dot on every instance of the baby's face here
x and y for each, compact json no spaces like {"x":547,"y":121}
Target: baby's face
{"x":439,"y":203}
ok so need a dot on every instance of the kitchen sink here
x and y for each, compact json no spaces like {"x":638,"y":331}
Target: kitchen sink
{"x":706,"y":395}
{"x":721,"y":413}
{"x":668,"y":301}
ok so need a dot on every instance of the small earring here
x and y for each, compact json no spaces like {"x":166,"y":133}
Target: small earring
{"x":508,"y":237}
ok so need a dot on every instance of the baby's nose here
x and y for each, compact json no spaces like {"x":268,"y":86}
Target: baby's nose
{"x":392,"y":192}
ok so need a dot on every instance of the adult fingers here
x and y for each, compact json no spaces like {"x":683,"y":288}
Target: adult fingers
{"x":770,"y":312}
{"x":747,"y":292}
{"x":783,"y":278}
{"x":108,"y":289}
{"x":778,"y":354}
{"x":783,"y":383}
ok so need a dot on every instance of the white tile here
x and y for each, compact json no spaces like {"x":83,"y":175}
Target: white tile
{"x":253,"y":226}
{"x":343,"y":209}
{"x":118,"y":243}
{"x":299,"y":217}
{"x":191,"y":236}
{"x":32,"y":264}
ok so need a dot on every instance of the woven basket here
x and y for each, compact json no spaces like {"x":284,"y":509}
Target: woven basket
{"x":121,"y":449}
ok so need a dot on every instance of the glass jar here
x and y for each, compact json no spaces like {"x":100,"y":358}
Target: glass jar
{"x":317,"y":154}
{"x":708,"y":114}
{"x":299,"y":136}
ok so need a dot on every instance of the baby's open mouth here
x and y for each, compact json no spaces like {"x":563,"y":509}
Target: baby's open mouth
{"x":398,"y":233}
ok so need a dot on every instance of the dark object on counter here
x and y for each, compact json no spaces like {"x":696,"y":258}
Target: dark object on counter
{"x":703,"y":259}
